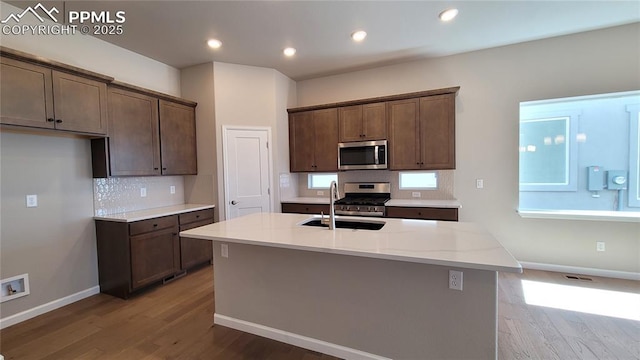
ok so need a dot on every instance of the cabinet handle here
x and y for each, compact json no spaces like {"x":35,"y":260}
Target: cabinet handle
{"x":155,"y":225}
{"x":155,"y":168}
{"x":58,"y":121}
{"x":197,"y":216}
{"x":51,"y":119}
{"x":164,"y":169}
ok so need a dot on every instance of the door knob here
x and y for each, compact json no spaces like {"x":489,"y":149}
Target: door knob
{"x":233,"y":202}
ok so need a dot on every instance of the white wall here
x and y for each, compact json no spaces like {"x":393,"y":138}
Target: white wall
{"x":253,"y":96}
{"x":55,"y":243}
{"x":492,"y":84}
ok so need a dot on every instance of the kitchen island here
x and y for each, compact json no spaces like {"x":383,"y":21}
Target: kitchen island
{"x":359,"y":294}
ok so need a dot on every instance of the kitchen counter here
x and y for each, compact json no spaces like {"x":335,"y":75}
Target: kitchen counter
{"x":131,"y":216}
{"x":307,"y":200}
{"x":464,"y":245}
{"x":360,"y":294}
{"x":424,"y":203}
{"x":393,"y":202}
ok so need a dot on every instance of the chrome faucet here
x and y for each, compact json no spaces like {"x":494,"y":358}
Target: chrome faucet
{"x":333,"y":195}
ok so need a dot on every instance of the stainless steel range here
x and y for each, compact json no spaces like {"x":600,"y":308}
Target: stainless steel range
{"x":363,"y":199}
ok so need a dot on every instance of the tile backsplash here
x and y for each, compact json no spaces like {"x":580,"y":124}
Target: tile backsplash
{"x":122,"y":194}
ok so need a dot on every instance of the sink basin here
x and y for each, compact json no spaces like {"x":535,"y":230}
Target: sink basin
{"x":348,"y":224}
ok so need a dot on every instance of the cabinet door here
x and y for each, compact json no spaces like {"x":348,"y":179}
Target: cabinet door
{"x":153,"y":256}
{"x":301,"y":142}
{"x":134,"y":140}
{"x":26,"y":94}
{"x":350,"y":123}
{"x":437,"y":132}
{"x":404,"y":141}
{"x":374,"y":121}
{"x":326,"y":139}
{"x":195,"y":251}
{"x":80,"y":104}
{"x":178,"y":139}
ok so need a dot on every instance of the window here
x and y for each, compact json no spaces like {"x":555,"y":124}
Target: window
{"x":418,"y":180}
{"x":562,"y":141}
{"x":321,"y":181}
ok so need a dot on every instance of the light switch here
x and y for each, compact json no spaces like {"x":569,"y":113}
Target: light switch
{"x":172,"y":189}
{"x":32,"y":201}
{"x":143,"y":192}
{"x":479,"y":183}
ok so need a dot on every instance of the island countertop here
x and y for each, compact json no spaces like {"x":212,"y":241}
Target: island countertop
{"x":456,"y":244}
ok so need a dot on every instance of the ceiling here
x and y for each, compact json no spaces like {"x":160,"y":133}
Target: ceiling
{"x":256,"y":32}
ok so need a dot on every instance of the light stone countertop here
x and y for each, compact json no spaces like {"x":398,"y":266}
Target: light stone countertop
{"x":424,"y":203}
{"x":455,"y":244}
{"x":393,"y":202}
{"x":307,"y":200}
{"x":131,"y":216}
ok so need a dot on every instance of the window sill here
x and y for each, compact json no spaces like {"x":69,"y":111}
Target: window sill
{"x":624,"y":216}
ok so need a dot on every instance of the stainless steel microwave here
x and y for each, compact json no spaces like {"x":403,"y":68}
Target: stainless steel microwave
{"x":362,"y":155}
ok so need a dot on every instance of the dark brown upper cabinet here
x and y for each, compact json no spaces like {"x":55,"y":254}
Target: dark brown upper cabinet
{"x":363,"y":122}
{"x":36,"y":96}
{"x":313,"y":141}
{"x":147,"y":136}
{"x":178,"y":139}
{"x":422,"y":133}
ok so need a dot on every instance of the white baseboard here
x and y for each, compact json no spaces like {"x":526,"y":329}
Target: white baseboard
{"x":295,"y":339}
{"x":581,"y":270}
{"x":44,"y":308}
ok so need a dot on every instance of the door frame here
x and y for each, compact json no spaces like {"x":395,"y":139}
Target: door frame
{"x":225,"y":160}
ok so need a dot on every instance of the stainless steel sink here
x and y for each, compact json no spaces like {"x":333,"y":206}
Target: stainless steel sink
{"x":347,"y":224}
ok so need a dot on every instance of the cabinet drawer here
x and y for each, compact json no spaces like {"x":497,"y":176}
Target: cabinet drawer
{"x":196,"y":216}
{"x":196,"y":224}
{"x":424,"y":213}
{"x":305,"y":208}
{"x":144,"y":226}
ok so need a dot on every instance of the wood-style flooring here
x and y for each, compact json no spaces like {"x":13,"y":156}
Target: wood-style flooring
{"x":174,"y":321}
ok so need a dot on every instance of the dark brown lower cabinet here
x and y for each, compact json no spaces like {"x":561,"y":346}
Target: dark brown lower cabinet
{"x":305,"y":208}
{"x":133,"y":255}
{"x":194,"y":252}
{"x":423,"y":213}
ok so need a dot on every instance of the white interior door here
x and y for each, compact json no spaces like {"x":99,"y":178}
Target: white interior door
{"x":247,"y":169}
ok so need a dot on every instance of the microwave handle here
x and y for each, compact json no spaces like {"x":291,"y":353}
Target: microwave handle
{"x":376,"y":159}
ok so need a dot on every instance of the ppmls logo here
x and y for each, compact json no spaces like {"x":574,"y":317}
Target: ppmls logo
{"x":33,"y":11}
{"x":102,"y":22}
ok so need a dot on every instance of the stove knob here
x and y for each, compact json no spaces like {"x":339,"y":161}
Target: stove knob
{"x":357,"y":208}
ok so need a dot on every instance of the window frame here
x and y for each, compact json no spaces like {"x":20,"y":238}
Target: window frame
{"x":310,"y":180}
{"x":573,"y":120}
{"x":435,"y":173}
{"x":634,"y":155}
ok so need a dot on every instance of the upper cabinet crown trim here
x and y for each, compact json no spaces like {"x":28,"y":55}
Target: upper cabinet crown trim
{"x":38,"y":60}
{"x":450,"y":90}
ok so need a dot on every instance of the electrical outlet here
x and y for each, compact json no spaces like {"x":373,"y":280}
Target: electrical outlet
{"x":143,"y":192}
{"x":455,"y":280}
{"x":320,"y":193}
{"x":479,"y":183}
{"x":416,"y":194}
{"x":600,"y":246}
{"x":224,"y":250}
{"x":32,"y":201}
{"x":172,"y":189}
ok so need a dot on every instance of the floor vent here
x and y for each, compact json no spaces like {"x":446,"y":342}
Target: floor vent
{"x":576,"y":277}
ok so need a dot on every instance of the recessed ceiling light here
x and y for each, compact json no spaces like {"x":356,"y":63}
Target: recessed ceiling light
{"x":214,"y":43}
{"x":359,"y":35}
{"x":289,"y":51}
{"x":448,"y":14}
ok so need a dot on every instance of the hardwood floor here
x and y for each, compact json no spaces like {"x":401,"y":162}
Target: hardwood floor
{"x":174,"y":321}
